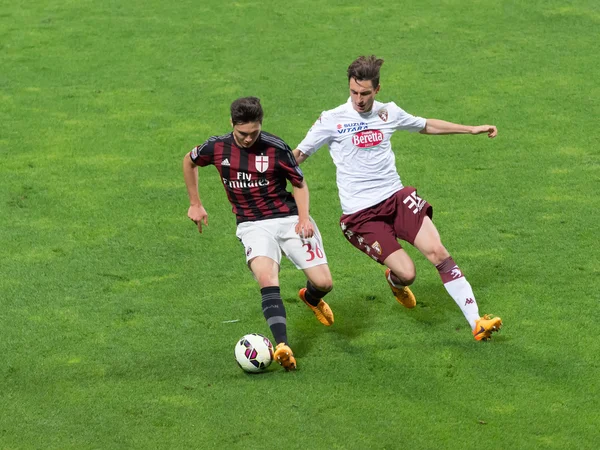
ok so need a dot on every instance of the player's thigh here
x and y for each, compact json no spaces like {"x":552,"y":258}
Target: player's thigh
{"x":265,"y":270}
{"x":320,"y":277}
{"x":410,"y":211}
{"x":303,"y":253}
{"x":429,"y":243}
{"x":259,"y":239}
{"x":402,"y":266}
{"x":375,"y":238}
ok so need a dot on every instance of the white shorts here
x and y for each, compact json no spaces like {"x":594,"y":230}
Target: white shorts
{"x":272,"y":236}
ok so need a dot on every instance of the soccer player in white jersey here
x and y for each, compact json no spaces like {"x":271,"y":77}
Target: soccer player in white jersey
{"x":377,"y":209}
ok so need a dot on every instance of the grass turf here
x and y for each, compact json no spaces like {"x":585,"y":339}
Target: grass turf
{"x":113,"y":307}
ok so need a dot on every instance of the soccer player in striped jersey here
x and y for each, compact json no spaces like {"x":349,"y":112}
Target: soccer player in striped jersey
{"x":254,"y":167}
{"x":377,"y":209}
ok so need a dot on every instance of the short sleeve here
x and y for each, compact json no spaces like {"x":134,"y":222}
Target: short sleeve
{"x":319,"y":135}
{"x":289,"y":165}
{"x":203,"y":155}
{"x":406,"y":121}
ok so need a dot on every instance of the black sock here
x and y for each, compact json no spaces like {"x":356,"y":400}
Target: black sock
{"x":313,"y":296}
{"x":274,"y":312}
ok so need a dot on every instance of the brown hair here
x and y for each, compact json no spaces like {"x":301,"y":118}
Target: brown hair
{"x":246,"y":110}
{"x":365,"y":68}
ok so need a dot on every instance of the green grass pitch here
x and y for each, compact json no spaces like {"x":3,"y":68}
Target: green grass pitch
{"x":115,"y":313}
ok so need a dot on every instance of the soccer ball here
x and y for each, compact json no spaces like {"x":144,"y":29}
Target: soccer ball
{"x":254,"y":352}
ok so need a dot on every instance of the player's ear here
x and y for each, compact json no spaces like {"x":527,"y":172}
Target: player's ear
{"x":231,"y":122}
{"x":377,"y":89}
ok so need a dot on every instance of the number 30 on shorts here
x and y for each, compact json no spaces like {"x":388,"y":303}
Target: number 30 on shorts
{"x":312,"y":253}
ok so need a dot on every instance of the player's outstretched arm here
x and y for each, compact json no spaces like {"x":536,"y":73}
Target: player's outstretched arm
{"x":437,"y":126}
{"x":300,"y":157}
{"x":196,"y":211}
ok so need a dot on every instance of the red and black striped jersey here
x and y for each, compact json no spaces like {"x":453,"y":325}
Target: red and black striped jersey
{"x":254,"y":178}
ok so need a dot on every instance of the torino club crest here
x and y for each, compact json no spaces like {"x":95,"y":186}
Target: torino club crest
{"x":383,"y":114}
{"x":262,"y":163}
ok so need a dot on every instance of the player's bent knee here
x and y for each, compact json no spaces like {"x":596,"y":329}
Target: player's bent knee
{"x":408,"y":280}
{"x":267,"y":280}
{"x":325,"y":286}
{"x":320,"y":278}
{"x":407,"y":276}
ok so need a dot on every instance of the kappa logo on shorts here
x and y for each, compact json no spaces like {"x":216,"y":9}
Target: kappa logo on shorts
{"x":248,"y":251}
{"x":367,"y":138}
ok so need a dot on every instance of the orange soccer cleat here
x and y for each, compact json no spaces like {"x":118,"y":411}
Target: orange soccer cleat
{"x":485,"y":326}
{"x":284,"y":356}
{"x":322,"y":310}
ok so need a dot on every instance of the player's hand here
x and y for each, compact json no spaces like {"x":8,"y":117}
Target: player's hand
{"x":491,"y":130}
{"x":198,"y":215}
{"x":305,"y":228}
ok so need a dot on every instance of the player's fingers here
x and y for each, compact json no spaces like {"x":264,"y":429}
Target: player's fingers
{"x":493,"y":131}
{"x":199,"y":223}
{"x":309,"y":231}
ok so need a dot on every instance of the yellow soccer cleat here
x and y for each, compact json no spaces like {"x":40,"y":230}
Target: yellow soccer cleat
{"x":322,"y":310}
{"x":284,"y":356}
{"x":404,"y":295}
{"x":485,"y":326}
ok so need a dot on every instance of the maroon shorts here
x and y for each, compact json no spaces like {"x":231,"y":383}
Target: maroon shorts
{"x":375,"y":230}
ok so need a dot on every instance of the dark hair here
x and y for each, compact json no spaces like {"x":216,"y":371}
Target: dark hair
{"x":365,"y":68}
{"x":246,"y":110}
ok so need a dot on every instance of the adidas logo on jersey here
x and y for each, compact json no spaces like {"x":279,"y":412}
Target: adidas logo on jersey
{"x":225,"y":162}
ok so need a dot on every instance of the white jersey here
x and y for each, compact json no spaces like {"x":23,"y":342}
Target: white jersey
{"x":361,"y":150}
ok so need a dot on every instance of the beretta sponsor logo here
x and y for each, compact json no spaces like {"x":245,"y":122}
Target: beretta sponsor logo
{"x":367,"y":138}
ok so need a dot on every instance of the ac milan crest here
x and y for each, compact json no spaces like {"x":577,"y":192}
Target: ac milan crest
{"x":383,"y":114}
{"x":262,"y":163}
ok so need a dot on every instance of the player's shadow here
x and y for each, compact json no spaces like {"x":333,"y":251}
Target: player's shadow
{"x":353,"y":314}
{"x":362,"y":311}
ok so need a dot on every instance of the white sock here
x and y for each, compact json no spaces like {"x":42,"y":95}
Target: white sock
{"x":462,"y":293}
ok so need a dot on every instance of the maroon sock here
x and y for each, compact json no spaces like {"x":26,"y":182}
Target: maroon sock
{"x":448,"y":270}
